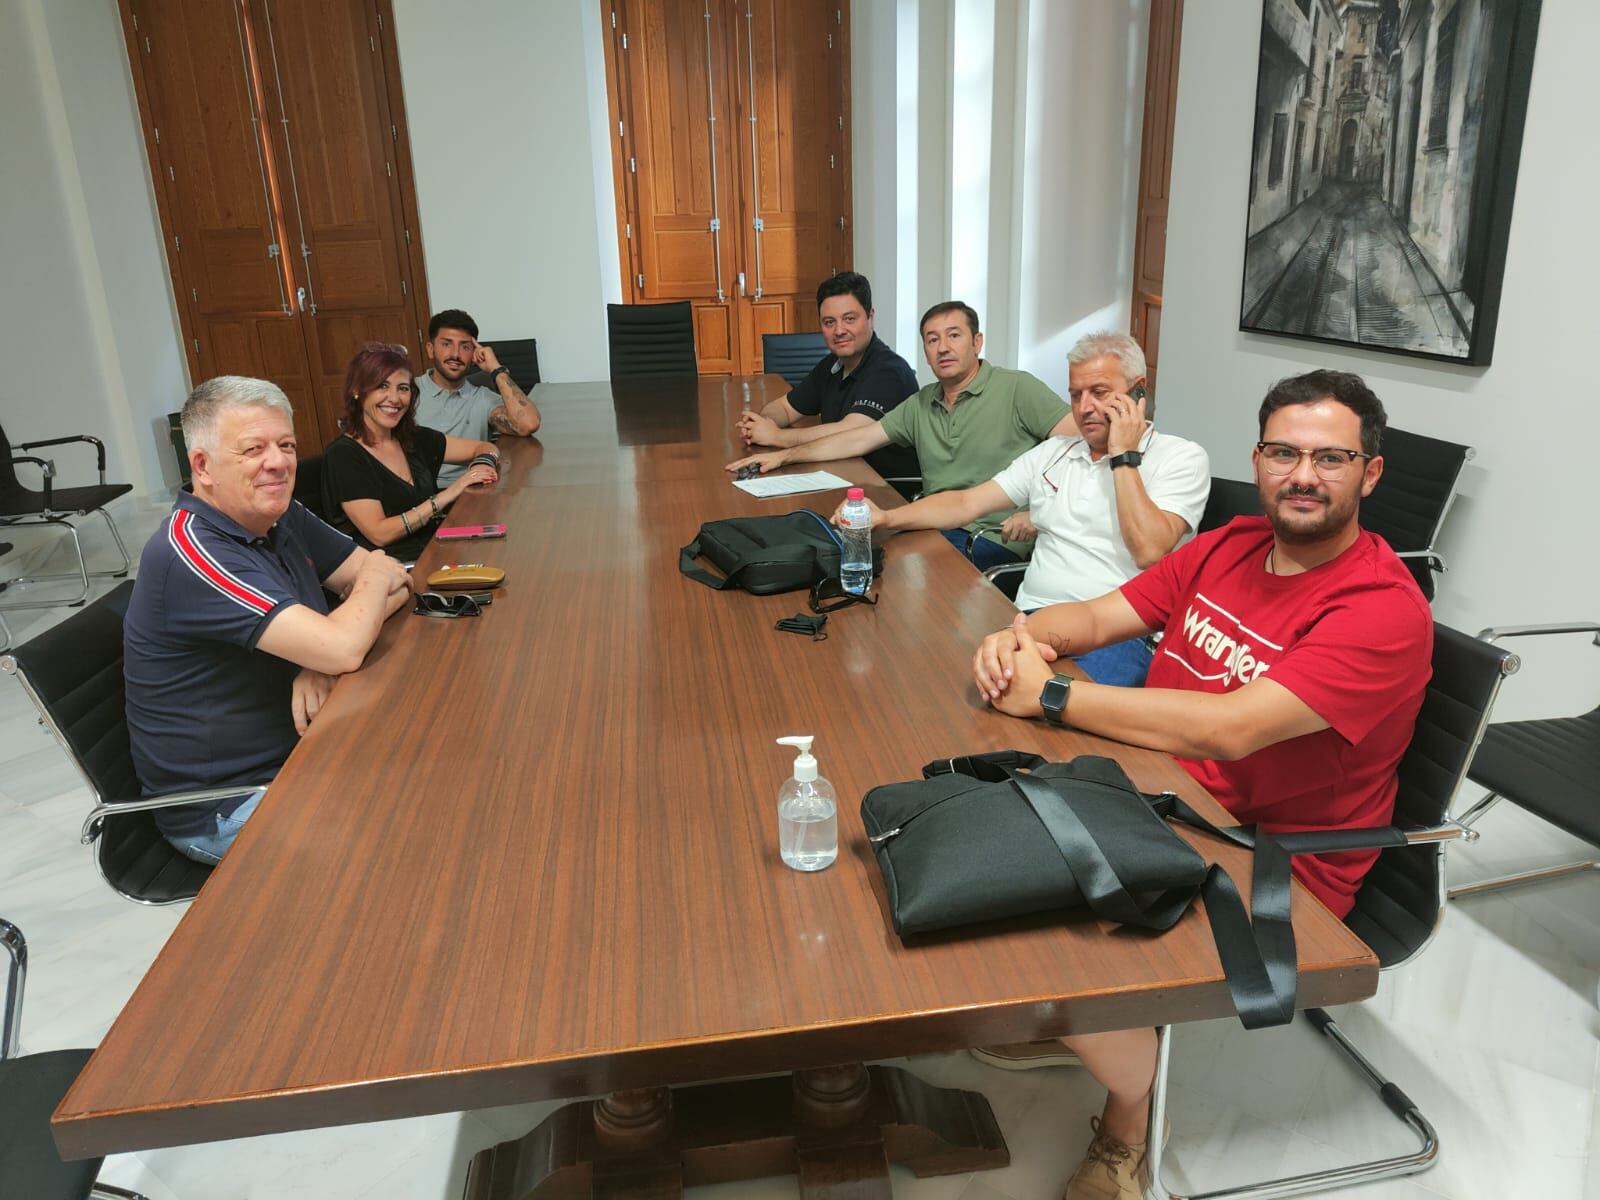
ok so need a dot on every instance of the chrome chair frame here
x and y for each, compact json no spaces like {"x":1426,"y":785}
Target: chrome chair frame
{"x":16,"y":979}
{"x":1400,"y":1105}
{"x":52,"y":516}
{"x":1541,"y":874}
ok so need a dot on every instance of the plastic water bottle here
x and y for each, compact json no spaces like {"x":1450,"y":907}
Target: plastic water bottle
{"x":808,"y":813}
{"x":855,"y":528}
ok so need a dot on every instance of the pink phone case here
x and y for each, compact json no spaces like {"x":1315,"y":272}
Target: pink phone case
{"x":456,"y":533}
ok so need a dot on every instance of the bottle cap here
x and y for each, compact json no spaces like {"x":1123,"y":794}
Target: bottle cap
{"x":805,"y":766}
{"x":856,"y":494}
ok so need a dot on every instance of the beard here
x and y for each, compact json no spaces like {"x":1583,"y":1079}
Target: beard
{"x":451,"y":373}
{"x":1296,"y":528}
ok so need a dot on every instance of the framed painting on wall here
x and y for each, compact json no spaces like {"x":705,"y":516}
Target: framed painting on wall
{"x":1384,"y":161}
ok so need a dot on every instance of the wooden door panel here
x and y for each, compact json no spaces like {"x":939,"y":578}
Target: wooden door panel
{"x":333,"y":127}
{"x":209,"y":163}
{"x":264,"y":348}
{"x":1155,"y":174}
{"x":715,"y":340}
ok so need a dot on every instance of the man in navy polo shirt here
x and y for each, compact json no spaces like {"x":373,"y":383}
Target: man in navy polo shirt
{"x":859,"y":381}
{"x":229,"y":648}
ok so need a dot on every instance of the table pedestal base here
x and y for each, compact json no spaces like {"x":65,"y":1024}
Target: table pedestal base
{"x":837,"y":1129}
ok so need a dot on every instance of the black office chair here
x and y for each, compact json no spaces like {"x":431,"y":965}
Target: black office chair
{"x":1230,"y":498}
{"x":1550,"y":767}
{"x":73,"y":675}
{"x":1408,"y":507}
{"x":30,"y":1088}
{"x":22,"y":506}
{"x":520,"y":358}
{"x":651,"y":339}
{"x":5,"y":630}
{"x":1402,"y":900}
{"x":792,"y":355}
{"x":308,"y":485}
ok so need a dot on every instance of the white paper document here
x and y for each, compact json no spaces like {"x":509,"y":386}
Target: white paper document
{"x":765,"y":487}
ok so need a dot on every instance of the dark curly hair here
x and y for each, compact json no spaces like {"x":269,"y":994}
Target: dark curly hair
{"x":373,"y":364}
{"x":1346,"y":387}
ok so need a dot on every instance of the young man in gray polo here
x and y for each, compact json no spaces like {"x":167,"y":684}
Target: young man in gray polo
{"x":966,"y":427}
{"x":456,"y":407}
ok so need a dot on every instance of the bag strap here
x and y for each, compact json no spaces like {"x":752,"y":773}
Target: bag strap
{"x":686,"y":567}
{"x":993,"y":767}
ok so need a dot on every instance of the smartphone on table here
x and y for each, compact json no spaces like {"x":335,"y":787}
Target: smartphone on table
{"x":464,"y":533}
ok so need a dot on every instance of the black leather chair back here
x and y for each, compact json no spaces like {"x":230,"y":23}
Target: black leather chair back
{"x":792,"y":355}
{"x":1229,"y":498}
{"x":308,"y":485}
{"x":1402,"y":898}
{"x":8,"y":469}
{"x":1408,"y":506}
{"x":651,"y":339}
{"x":74,"y":674}
{"x":520,"y":358}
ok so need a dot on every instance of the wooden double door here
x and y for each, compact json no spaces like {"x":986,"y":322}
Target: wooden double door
{"x":276,"y":138}
{"x":731,"y":123}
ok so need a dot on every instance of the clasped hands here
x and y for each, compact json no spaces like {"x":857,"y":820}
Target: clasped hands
{"x":1011,"y":668}
{"x":757,"y":430}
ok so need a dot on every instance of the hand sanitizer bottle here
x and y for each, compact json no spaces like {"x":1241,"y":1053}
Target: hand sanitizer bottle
{"x":808,"y":822}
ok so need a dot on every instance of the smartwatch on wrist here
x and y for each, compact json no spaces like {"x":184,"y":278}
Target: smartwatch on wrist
{"x":497,"y":372}
{"x":1053,"y":698}
{"x":1131,"y":458}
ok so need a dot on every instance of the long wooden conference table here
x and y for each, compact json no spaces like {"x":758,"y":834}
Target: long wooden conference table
{"x":534,"y":855}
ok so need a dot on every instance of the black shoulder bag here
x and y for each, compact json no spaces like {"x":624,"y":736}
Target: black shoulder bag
{"x":765,"y":555}
{"x":963,"y":845}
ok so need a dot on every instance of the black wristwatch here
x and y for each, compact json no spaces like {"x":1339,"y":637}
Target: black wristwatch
{"x":497,"y":372}
{"x":1131,"y":458}
{"x":1053,"y":699}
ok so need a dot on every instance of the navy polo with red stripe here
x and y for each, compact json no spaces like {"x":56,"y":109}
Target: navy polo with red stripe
{"x":206,"y":708}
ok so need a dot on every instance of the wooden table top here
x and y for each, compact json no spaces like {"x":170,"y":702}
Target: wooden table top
{"x":534,"y":854}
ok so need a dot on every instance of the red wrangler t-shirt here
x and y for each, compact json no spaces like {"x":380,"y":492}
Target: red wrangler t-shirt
{"x":1352,"y":638}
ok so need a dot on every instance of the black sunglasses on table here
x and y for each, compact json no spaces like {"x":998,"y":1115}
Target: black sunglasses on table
{"x":459,"y":604}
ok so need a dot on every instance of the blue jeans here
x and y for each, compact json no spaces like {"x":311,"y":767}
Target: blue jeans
{"x":216,"y":833}
{"x":1122,"y":664}
{"x":983,"y":552}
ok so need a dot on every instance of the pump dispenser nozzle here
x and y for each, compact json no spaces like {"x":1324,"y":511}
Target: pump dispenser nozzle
{"x":805,"y":766}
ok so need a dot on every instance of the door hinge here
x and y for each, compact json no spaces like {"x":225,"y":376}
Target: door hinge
{"x":633,"y":164}
{"x":403,"y":289}
{"x":194,"y":294}
{"x":841,"y":223}
{"x":380,"y":22}
{"x":624,"y":41}
{"x":627,"y":229}
{"x":170,"y":174}
{"x":388,"y":170}
{"x":838,"y":16}
{"x":613,"y":18}
{"x":830,"y":41}
{"x":158,"y":135}
{"x":177,"y":243}
{"x":197,"y":345}
{"x":372,"y":44}
{"x":135,"y":18}
{"x":394,"y":134}
{"x":621,"y":131}
{"x":841,"y":120}
{"x":408,"y":237}
{"x":830,"y":162}
{"x":641,"y":280}
{"x":147,"y":44}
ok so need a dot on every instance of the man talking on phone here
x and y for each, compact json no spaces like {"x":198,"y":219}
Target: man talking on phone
{"x":1104,"y":504}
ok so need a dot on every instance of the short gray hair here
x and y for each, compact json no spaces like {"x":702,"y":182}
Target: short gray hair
{"x":207,"y":403}
{"x":1120,"y":346}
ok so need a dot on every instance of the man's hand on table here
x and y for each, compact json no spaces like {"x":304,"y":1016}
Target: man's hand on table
{"x":1011,"y":669}
{"x":307,"y":695}
{"x":769,"y":461}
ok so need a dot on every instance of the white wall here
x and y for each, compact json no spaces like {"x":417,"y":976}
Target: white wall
{"x":87,"y":328}
{"x":1523,"y":541}
{"x":505,"y":100}
{"x":997,"y":161}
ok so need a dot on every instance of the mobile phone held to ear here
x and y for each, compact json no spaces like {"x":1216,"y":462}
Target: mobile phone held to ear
{"x":1138,"y":393}
{"x":465,"y":533}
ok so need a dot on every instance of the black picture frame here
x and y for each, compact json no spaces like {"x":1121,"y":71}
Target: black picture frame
{"x":1384,"y":151}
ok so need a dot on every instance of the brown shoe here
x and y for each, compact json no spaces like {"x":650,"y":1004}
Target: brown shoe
{"x":1111,"y":1170}
{"x":1025,"y":1056}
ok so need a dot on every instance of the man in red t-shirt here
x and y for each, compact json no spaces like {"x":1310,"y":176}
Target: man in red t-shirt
{"x":1293,"y":660}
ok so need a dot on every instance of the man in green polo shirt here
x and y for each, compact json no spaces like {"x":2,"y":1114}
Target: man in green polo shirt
{"x":966,"y":428}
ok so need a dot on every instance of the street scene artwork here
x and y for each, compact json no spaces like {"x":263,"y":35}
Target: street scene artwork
{"x":1385,"y":153}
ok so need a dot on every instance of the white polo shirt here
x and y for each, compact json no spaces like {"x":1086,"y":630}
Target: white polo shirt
{"x":1072,"y":501}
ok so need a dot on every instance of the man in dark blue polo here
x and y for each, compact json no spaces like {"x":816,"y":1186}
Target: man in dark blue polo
{"x":229,"y":648}
{"x":859,"y":381}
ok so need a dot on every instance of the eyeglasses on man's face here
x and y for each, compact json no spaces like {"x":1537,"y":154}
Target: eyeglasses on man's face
{"x":1330,"y":462}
